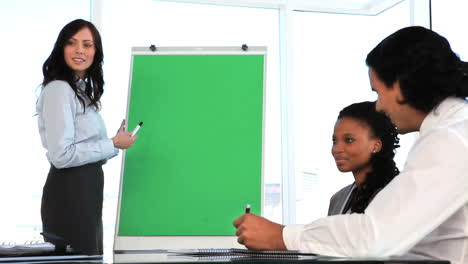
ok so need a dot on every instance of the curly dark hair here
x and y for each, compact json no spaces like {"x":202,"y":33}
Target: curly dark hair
{"x":424,"y":64}
{"x":55,"y":67}
{"x":384,"y":168}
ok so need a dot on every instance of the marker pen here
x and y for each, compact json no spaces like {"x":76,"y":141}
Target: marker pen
{"x":136,"y":129}
{"x":247,"y":208}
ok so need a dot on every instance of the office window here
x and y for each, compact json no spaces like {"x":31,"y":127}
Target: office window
{"x":127,"y":24}
{"x":449,"y":20}
{"x":29,"y":30}
{"x":329,"y":74}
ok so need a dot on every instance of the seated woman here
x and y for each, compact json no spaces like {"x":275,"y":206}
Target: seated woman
{"x":364,"y":143}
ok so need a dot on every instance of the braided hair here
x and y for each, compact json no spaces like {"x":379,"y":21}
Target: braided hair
{"x":383,"y":166}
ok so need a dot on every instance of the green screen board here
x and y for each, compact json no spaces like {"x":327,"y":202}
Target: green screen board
{"x":198,"y":158}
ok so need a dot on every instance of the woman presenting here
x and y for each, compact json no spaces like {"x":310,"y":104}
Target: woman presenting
{"x":74,"y":135}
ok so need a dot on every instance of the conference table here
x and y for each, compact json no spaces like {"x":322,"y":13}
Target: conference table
{"x":164,"y":257}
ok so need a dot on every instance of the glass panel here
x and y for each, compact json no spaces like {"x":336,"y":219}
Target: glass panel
{"x":329,"y":74}
{"x":449,"y":20}
{"x":127,"y":24}
{"x":29,"y":30}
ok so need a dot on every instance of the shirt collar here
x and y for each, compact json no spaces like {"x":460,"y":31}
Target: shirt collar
{"x":444,"y":114}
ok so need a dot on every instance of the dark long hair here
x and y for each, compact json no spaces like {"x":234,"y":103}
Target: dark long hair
{"x":55,"y":67}
{"x":384,"y":168}
{"x":424,"y":64}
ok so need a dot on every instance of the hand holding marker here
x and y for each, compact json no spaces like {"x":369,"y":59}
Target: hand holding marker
{"x":136,"y":129}
{"x":125,"y":139}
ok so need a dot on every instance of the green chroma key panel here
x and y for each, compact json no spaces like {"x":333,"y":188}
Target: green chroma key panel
{"x":198,"y":158}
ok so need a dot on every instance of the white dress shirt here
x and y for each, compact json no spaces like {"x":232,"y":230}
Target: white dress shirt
{"x":72,"y":138}
{"x":422,"y":212}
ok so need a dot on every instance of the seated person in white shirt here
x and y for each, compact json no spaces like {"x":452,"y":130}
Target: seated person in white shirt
{"x":422,"y":86}
{"x":364,"y":143}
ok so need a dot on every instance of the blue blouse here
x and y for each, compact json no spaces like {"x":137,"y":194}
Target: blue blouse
{"x":72,"y":138}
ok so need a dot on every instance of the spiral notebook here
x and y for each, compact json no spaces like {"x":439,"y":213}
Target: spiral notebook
{"x":37,"y":251}
{"x":239,"y":253}
{"x":28,"y":248}
{"x":31,"y":248}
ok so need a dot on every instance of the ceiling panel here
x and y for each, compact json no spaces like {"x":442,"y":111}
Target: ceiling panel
{"x":358,"y":7}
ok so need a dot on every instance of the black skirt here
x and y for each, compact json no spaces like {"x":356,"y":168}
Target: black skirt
{"x":72,"y":206}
